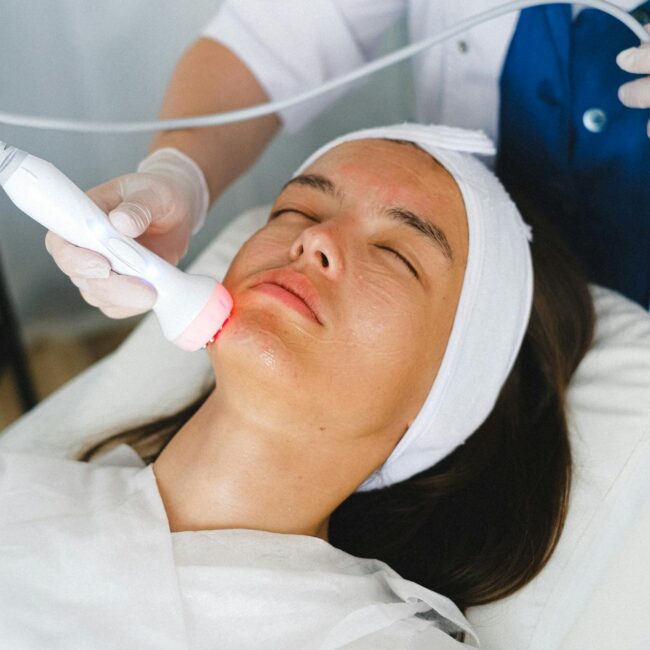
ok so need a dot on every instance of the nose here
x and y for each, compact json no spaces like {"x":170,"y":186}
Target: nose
{"x":317,"y":245}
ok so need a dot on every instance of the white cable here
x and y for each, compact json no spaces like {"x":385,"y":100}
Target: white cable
{"x":273,"y":107}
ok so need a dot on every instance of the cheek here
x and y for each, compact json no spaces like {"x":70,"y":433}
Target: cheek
{"x":262,"y":250}
{"x":404,"y":331}
{"x":392,"y":349}
{"x":387,"y":313}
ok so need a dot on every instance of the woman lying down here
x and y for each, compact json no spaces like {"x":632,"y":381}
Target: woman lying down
{"x":374,"y":460}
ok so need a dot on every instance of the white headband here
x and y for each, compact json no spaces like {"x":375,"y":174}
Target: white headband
{"x":493,"y":308}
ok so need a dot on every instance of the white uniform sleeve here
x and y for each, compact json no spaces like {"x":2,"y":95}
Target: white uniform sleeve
{"x":293,"y":45}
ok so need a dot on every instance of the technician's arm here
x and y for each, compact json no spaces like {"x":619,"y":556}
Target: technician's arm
{"x":209,"y":78}
{"x":166,"y":200}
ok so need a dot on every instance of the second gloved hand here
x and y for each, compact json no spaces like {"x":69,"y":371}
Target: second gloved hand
{"x":636,"y":94}
{"x":161,"y":205}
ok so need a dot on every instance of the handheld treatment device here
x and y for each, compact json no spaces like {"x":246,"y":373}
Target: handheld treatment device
{"x":191,"y":309}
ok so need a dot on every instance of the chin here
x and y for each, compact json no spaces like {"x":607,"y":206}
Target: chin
{"x":251,"y":340}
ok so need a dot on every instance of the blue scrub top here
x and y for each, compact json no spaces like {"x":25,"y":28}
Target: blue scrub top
{"x":574,"y":149}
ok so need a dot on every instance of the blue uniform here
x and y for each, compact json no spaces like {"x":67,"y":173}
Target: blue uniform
{"x":576,"y":150}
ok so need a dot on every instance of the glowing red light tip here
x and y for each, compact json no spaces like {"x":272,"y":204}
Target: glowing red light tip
{"x":216,"y":334}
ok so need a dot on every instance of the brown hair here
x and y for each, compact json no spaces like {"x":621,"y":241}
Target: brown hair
{"x":484,"y":521}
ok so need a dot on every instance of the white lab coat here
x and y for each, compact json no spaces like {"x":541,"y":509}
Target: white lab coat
{"x":87,"y":560}
{"x":292,"y":45}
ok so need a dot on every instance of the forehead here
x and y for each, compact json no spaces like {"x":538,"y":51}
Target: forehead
{"x":393,"y":166}
{"x":369,"y":149}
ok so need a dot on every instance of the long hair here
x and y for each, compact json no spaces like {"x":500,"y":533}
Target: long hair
{"x":484,"y":521}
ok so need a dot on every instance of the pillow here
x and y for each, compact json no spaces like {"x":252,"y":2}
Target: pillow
{"x":595,"y":590}
{"x":588,"y":595}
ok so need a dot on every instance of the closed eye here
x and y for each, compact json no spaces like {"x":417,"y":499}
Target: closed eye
{"x":277,"y":213}
{"x":411,"y":268}
{"x":408,"y":264}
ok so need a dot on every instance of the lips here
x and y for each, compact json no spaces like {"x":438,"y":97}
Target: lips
{"x":297,"y":284}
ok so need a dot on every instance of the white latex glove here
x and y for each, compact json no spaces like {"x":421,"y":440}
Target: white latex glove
{"x":636,"y":94}
{"x":161,"y":205}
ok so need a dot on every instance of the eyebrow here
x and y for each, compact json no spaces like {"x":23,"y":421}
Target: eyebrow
{"x":432,"y":233}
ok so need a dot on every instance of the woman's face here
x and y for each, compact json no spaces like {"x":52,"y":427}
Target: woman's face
{"x":367,"y":368}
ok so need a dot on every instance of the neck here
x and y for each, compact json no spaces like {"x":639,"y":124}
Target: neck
{"x":223,"y":470}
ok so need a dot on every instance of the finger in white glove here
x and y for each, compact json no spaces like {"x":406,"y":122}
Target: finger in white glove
{"x":76,"y":261}
{"x":636,"y":94}
{"x":131,"y":218}
{"x":136,"y":296}
{"x":182,"y":168}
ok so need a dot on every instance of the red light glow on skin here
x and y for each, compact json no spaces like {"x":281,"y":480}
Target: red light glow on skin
{"x":216,"y":336}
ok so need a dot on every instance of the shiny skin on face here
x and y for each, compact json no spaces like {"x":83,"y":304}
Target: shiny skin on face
{"x":388,"y":296}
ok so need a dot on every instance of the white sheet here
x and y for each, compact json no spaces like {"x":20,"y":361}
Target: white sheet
{"x":87,"y":561}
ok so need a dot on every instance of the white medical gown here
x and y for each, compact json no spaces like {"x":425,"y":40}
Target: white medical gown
{"x":87,"y":560}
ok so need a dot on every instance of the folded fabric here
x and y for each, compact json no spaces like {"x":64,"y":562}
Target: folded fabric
{"x":87,"y":560}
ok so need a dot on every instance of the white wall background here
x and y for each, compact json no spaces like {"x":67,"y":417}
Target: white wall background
{"x":109,"y":60}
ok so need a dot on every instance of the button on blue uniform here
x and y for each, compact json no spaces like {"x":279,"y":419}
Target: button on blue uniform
{"x":594,"y":119}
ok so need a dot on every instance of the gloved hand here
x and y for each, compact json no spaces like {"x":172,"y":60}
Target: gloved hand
{"x":163,"y":204}
{"x":636,"y":94}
